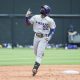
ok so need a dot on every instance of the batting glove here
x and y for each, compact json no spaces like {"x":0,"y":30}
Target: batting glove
{"x":48,"y":38}
{"x":28,"y":13}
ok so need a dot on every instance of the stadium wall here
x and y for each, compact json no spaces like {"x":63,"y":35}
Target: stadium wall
{"x":13,"y":28}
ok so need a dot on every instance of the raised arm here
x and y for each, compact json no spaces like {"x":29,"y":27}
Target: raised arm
{"x":28,"y":14}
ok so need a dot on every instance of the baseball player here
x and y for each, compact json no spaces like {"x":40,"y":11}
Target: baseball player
{"x":44,"y":28}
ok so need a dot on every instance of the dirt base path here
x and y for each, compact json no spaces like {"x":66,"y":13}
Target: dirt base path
{"x":46,"y":72}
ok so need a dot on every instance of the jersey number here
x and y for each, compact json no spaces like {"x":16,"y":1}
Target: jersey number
{"x":45,"y":27}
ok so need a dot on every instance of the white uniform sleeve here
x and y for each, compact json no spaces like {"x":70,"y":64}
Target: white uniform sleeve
{"x":32,"y":19}
{"x":52,"y":24}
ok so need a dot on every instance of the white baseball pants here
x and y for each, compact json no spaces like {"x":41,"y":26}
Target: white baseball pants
{"x":39,"y":47}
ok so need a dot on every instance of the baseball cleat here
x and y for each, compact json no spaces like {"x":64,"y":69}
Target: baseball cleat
{"x":34,"y":72}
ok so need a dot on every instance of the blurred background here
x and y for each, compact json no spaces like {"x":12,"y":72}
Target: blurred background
{"x":15,"y":33}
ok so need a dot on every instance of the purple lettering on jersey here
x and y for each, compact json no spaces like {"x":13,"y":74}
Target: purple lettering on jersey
{"x":41,"y":23}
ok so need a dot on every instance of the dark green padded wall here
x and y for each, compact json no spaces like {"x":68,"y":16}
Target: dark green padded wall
{"x":17,"y":29}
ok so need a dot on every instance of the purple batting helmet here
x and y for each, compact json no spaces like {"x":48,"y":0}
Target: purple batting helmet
{"x":45,"y":9}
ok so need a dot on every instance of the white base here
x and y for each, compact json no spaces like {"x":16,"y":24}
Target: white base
{"x":71,"y":72}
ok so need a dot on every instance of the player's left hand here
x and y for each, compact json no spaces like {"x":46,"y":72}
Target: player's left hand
{"x":47,"y":38}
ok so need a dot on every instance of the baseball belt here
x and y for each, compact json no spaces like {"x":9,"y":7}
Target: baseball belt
{"x":40,"y":35}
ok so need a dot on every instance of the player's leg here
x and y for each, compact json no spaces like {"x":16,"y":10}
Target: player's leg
{"x":35,"y":45}
{"x":40,"y":52}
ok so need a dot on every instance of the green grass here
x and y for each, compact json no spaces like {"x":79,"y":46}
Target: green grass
{"x":25,"y":56}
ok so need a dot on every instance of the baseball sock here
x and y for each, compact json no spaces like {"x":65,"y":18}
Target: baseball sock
{"x":36,"y":65}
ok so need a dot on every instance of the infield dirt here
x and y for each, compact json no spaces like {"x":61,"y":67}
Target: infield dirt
{"x":45,"y":72}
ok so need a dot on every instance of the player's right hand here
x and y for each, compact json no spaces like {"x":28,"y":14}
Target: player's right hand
{"x":28,"y":13}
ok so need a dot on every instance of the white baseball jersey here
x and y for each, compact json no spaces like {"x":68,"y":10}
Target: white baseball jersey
{"x":42,"y":25}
